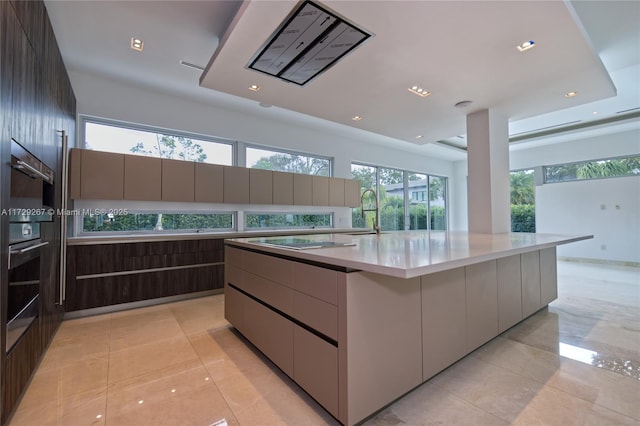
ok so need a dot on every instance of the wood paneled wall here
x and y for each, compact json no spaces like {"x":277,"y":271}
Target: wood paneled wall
{"x":36,"y":101}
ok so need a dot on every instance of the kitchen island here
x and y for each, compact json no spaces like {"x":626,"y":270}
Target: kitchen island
{"x":359,"y":320}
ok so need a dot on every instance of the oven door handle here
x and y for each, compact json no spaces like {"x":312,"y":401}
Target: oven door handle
{"x":27,"y":249}
{"x":13,"y":252}
{"x":21,"y":165}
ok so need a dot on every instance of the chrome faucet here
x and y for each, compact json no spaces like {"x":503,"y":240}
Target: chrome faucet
{"x":376,"y":222}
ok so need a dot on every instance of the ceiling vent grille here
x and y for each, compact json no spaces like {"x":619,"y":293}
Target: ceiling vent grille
{"x":309,"y":41}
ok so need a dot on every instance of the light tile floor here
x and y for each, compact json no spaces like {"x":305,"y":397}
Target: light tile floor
{"x":575,"y":363}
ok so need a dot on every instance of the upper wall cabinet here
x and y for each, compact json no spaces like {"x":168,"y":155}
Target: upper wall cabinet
{"x":260,"y":186}
{"x":336,"y":191}
{"x":101,"y":175}
{"x":178,"y":180}
{"x":352,"y":193}
{"x":236,"y":185}
{"x":320,"y":190}
{"x":142,"y":178}
{"x":302,"y":190}
{"x":283,"y":188}
{"x":108,"y":176}
{"x":208,"y":183}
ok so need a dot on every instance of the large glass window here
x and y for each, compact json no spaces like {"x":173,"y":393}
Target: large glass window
{"x":368,"y":177}
{"x":523,"y":201}
{"x":288,"y":220}
{"x":418,"y":203}
{"x":121,"y":220}
{"x":391,"y":195}
{"x":423,"y":195}
{"x":155,"y":143}
{"x":595,"y":169}
{"x":259,"y":158}
{"x":437,"y":203}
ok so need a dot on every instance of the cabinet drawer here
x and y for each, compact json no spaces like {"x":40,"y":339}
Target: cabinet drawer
{"x":316,"y":368}
{"x":269,"y":267}
{"x":315,"y":313}
{"x":273,"y":294}
{"x":317,"y":282}
{"x":270,"y":332}
{"x":233,"y":275}
{"x":233,"y":307}
{"x":233,"y":256}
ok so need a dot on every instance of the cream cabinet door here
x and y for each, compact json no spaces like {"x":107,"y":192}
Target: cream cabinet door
{"x":352,"y":193}
{"x":509,"y":292}
{"x":530,"y":283}
{"x":102,"y":175}
{"x":283,"y":188}
{"x":320,"y":190}
{"x":482,"y":303}
{"x":260,"y":186}
{"x":548,"y":276}
{"x":208,"y":183}
{"x":444,"y":325}
{"x":336,"y":192}
{"x":236,"y":185}
{"x":302,"y":190}
{"x":142,"y":178}
{"x":178,"y":180}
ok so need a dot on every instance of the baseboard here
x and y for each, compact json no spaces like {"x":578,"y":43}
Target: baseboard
{"x":600,"y":261}
{"x":143,"y":303}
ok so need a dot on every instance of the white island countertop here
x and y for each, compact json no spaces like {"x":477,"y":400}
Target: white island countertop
{"x":408,"y":254}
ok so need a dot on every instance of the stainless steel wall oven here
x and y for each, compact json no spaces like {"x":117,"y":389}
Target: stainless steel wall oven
{"x":31,"y":204}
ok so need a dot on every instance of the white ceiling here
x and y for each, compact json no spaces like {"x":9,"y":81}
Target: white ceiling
{"x":456,"y":49}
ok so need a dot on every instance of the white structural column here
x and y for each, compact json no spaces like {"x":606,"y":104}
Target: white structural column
{"x":488,"y":172}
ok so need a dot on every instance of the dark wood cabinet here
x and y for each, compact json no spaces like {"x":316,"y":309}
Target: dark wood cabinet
{"x":110,"y":274}
{"x":36,"y":102}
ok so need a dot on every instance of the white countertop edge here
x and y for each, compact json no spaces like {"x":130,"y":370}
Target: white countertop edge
{"x":328,"y":256}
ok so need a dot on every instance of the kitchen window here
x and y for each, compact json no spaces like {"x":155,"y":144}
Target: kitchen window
{"x":594,"y":169}
{"x":288,"y":220}
{"x":283,"y":161}
{"x":122,"y":220}
{"x":406,"y":200}
{"x":103,"y":135}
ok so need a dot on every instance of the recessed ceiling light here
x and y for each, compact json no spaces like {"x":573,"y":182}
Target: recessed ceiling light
{"x":254,"y":87}
{"x":526,"y":45}
{"x":417,"y":90}
{"x":137,"y":44}
{"x":570,"y":94}
{"x":356,"y":118}
{"x":594,"y":112}
{"x":419,"y":137}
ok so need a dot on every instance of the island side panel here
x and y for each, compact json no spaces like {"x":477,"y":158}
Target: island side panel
{"x":380,"y":342}
{"x":444,"y":326}
{"x":548,"y":276}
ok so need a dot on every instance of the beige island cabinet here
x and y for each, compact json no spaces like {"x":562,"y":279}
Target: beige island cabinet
{"x":359,"y":320}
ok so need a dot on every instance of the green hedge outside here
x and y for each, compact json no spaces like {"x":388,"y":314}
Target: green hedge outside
{"x":523,"y":218}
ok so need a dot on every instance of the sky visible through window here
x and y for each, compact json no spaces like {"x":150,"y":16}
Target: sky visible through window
{"x":101,"y":137}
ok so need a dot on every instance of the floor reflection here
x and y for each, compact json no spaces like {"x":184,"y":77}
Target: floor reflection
{"x":576,"y":362}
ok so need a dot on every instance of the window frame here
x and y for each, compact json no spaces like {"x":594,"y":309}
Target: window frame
{"x":80,"y":232}
{"x":247,"y":213}
{"x":84,"y":119}
{"x":407,"y":199}
{"x":545,"y":181}
{"x":290,"y":152}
